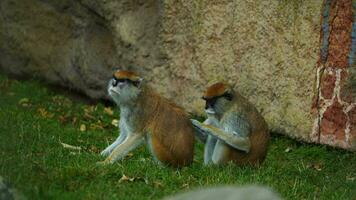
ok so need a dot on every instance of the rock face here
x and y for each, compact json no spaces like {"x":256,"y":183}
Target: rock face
{"x":273,"y":51}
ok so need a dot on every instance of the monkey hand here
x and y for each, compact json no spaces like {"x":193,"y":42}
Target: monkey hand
{"x":105,"y":152}
{"x":200,"y":127}
{"x":196,"y":124}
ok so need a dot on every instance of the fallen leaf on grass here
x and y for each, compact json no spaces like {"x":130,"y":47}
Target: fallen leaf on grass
{"x":88,"y":116}
{"x":68,"y":146}
{"x":288,"y":149}
{"x":316,"y":166}
{"x":185,"y":186}
{"x":350,"y":178}
{"x":74,"y":120}
{"x":82,"y":128}
{"x":125,"y":178}
{"x":115,"y":122}
{"x":44,"y":113}
{"x":90,"y":109}
{"x":97,"y":125}
{"x":62,"y":101}
{"x":64,"y":118}
{"x":109,"y":111}
{"x":157,"y":184}
{"x":25,"y":102}
{"x":94,"y":149}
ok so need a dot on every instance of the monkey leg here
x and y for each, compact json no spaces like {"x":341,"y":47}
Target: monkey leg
{"x":130,"y":143}
{"x":117,"y":142}
{"x":221,"y":153}
{"x":209,"y":149}
{"x":231,"y":137}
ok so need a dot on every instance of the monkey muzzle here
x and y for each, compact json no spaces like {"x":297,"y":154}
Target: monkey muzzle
{"x":210,"y":111}
{"x":209,"y":106}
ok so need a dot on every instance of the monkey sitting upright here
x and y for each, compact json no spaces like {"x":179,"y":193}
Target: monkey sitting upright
{"x":234,"y":130}
{"x":147,"y":117}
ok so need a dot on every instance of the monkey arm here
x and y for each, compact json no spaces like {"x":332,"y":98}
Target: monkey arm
{"x":117,"y":142}
{"x":131,"y":142}
{"x":202,"y":136}
{"x":230,"y":136}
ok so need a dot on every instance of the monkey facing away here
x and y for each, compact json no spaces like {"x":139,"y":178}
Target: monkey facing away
{"x":146,"y":117}
{"x":234,"y":130}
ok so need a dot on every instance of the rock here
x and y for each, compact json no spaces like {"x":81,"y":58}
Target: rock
{"x":229,"y":193}
{"x":273,"y":51}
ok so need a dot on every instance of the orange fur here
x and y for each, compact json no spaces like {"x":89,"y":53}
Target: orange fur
{"x":215,"y":90}
{"x":170,"y":130}
{"x":168,"y":127}
{"x":123,"y":74}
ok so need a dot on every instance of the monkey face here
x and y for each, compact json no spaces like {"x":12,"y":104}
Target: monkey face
{"x":217,"y":96}
{"x":124,"y":90}
{"x":215,"y":105}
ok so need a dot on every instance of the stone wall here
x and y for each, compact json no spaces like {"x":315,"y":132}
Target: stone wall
{"x":281,"y":55}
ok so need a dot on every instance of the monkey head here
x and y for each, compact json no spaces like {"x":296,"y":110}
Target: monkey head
{"x":124,"y":87}
{"x":217,"y":97}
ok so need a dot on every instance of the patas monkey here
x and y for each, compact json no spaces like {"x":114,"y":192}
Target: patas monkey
{"x":234,"y":130}
{"x":146,"y":117}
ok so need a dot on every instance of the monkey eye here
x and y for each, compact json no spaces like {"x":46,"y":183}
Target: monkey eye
{"x":115,"y":81}
{"x":124,"y":80}
{"x":227,"y":96}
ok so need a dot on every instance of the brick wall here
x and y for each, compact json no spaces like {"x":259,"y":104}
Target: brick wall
{"x":335,"y":105}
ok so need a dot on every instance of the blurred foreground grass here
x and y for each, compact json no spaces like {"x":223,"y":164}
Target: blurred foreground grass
{"x":35,"y":120}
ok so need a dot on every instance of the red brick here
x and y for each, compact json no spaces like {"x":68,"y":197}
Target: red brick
{"x":334,"y":121}
{"x":352,"y":118}
{"x":346,"y":90}
{"x":327,"y":84}
{"x":341,"y":18}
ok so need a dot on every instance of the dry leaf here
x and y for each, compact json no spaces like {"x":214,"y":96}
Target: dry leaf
{"x":74,"y":120}
{"x":126,"y":178}
{"x":185,"y":186}
{"x":115,"y":122}
{"x":63,"y":118}
{"x":288,"y":149}
{"x":88,"y":116}
{"x":44,"y":113}
{"x":25,"y":102}
{"x":68,"y":146}
{"x":316,"y":166}
{"x":94,"y":149}
{"x":90,"y":109}
{"x":108,"y":111}
{"x":349,"y":178}
{"x":82,"y":128}
{"x":157,"y":184}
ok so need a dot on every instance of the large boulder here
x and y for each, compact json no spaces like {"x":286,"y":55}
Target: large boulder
{"x":272,"y":51}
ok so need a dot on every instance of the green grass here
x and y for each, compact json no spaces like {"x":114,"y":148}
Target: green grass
{"x":34,"y":120}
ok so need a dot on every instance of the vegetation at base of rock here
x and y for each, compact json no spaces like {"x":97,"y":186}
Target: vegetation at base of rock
{"x":37,"y":125}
